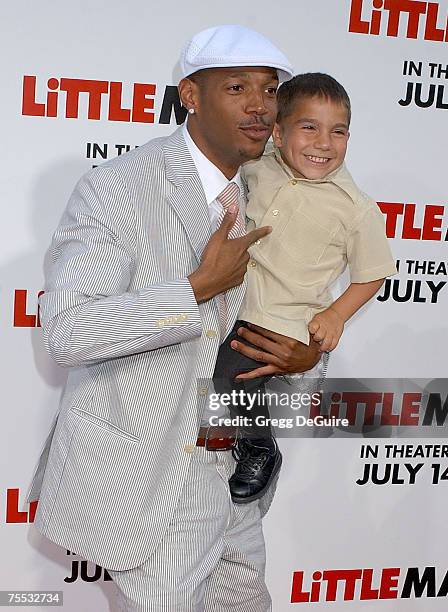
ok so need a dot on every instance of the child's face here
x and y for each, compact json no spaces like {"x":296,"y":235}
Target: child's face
{"x":313,"y":138}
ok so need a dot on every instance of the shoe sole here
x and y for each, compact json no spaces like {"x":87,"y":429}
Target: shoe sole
{"x":251,"y":498}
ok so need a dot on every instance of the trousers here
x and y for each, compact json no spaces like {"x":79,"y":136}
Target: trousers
{"x":212,"y":557}
{"x":230,"y":363}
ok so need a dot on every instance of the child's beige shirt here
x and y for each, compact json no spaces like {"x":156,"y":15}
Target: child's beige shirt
{"x":319,"y":226}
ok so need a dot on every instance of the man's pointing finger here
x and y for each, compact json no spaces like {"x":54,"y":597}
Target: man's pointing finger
{"x":256,"y":234}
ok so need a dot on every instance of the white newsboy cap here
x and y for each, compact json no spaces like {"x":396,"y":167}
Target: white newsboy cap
{"x":232,"y":45}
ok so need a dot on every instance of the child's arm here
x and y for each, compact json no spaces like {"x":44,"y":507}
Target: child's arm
{"x":327,"y":326}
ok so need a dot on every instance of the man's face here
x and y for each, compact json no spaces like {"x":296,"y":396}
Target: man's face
{"x":313,"y":138}
{"x":235,"y":110}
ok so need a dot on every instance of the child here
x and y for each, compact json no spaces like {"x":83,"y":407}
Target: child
{"x":321,"y":222}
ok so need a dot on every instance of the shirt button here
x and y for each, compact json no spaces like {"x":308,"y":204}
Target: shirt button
{"x":189,"y":448}
{"x":294,"y":182}
{"x":275,"y":212}
{"x":203,"y":391}
{"x":257,"y":241}
{"x":211,"y":333}
{"x":252,"y":263}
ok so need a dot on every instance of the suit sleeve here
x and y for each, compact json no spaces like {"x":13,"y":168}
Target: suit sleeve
{"x":87,"y":312}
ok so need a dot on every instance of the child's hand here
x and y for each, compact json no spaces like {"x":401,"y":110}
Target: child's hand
{"x":326,"y":327}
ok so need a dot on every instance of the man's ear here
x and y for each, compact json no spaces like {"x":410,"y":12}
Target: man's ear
{"x":277,"y":135}
{"x":188,"y":93}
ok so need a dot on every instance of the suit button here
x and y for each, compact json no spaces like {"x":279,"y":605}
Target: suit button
{"x":189,"y":448}
{"x":211,"y":333}
{"x":275,"y":212}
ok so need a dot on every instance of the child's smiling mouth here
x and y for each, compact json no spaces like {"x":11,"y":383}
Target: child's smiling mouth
{"x":318,"y":160}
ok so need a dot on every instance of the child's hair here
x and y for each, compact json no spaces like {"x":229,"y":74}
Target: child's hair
{"x":309,"y":85}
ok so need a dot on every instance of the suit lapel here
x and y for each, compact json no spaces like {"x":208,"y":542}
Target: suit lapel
{"x":188,"y":199}
{"x":190,"y":204}
{"x":234,"y":299}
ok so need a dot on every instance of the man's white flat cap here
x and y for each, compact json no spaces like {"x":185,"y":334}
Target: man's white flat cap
{"x":232,"y":45}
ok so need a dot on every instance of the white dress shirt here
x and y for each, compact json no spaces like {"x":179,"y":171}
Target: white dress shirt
{"x":212,"y":179}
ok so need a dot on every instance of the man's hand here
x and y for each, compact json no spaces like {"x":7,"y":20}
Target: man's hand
{"x":224,"y":261}
{"x":282,"y":355}
{"x":326,"y":328}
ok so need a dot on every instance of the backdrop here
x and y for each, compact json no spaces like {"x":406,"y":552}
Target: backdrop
{"x":84,"y":82}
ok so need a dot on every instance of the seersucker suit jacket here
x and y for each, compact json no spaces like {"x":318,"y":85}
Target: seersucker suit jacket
{"x":119,"y":310}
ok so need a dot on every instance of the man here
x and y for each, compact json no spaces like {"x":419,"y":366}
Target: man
{"x":140,"y":293}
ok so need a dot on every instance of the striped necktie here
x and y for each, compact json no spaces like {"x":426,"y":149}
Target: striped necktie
{"x":227,"y":197}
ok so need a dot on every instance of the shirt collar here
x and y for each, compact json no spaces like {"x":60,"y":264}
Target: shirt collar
{"x":212,"y":179}
{"x":339,"y":177}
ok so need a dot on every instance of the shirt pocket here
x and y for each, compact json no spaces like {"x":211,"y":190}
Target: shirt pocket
{"x":304,"y":239}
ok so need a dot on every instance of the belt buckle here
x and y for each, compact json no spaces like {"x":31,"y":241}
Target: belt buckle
{"x":209,"y":442}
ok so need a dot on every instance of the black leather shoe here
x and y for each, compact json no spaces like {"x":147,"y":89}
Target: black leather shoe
{"x":258,"y":462}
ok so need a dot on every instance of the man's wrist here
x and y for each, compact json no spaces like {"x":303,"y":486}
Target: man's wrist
{"x":201,"y":288}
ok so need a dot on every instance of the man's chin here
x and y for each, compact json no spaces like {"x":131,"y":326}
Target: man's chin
{"x":253,"y":151}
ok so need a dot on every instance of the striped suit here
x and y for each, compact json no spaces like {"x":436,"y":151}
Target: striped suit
{"x":119,"y":310}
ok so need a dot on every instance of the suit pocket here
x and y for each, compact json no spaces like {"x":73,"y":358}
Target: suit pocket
{"x":107,"y":425}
